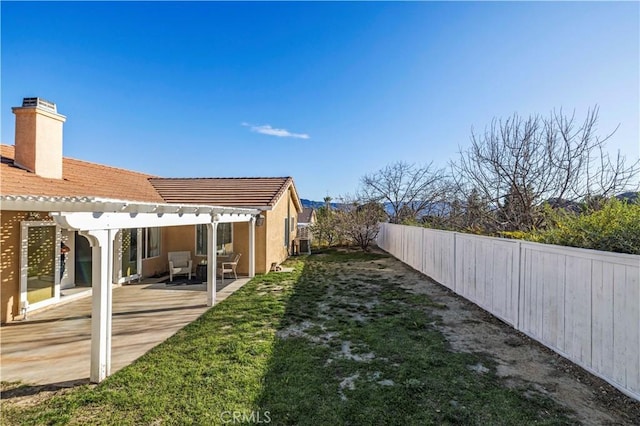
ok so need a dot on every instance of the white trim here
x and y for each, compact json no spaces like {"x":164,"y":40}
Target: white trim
{"x":212,"y":262}
{"x":138,"y":256}
{"x":252,"y":247}
{"x":101,"y":242}
{"x":100,"y":220}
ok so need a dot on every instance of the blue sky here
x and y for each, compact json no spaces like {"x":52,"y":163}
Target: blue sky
{"x":323,"y":92}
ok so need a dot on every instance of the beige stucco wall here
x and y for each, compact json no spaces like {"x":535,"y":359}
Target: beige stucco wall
{"x":157,"y":265}
{"x":277,"y":251}
{"x":261,"y":247}
{"x":241,"y":245}
{"x":10,"y":261}
{"x":179,"y":238}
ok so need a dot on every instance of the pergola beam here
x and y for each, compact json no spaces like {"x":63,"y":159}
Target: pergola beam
{"x":105,"y":205}
{"x":87,"y":221}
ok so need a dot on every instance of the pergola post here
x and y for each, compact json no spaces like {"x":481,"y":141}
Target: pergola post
{"x":252,"y":247}
{"x":101,"y":242}
{"x":212,"y":267}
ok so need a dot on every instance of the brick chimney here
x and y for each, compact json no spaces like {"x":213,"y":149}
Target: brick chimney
{"x":39,"y":137}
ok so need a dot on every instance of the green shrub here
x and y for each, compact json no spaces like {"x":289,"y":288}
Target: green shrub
{"x":519,"y":235}
{"x":615,"y":227}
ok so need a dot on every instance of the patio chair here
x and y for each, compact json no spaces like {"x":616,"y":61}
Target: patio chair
{"x":179,"y":263}
{"x":229,"y":267}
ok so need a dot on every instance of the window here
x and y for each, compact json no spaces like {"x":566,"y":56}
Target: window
{"x":129,"y":249}
{"x":201,"y":240}
{"x":224,"y":238}
{"x":150,"y":242}
{"x":286,"y":232}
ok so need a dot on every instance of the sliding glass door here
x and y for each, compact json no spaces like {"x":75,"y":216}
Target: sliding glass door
{"x":39,"y":280}
{"x":128,"y":259}
{"x":129,"y":252}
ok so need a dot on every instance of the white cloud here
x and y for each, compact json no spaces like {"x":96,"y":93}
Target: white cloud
{"x":266,"y":129}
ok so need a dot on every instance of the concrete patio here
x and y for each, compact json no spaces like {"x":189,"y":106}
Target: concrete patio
{"x":53,"y":346}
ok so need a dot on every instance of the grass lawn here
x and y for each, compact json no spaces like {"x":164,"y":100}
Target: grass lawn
{"x":335,"y":342}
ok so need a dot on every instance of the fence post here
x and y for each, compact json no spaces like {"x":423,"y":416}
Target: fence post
{"x":520,"y":271}
{"x":455,"y":268}
{"x":423,"y":237}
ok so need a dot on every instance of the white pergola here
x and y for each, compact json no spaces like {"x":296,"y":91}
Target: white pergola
{"x":100,"y":219}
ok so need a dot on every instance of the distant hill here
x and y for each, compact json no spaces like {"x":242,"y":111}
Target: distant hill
{"x":630,"y":197}
{"x":315,"y":204}
{"x":437,"y":209}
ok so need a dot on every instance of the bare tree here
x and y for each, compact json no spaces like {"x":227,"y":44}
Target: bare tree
{"x":519,"y":163}
{"x":360,"y":222}
{"x":410,"y":191}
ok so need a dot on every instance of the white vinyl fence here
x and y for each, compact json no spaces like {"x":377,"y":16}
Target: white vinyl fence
{"x":583,"y":304}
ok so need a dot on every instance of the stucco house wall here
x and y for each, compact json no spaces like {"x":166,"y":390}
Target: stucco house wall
{"x":178,"y":238}
{"x":241,"y":245}
{"x":10,"y":260}
{"x":275,"y":226}
{"x":154,"y":266}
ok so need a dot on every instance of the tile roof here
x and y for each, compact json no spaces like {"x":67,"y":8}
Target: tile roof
{"x":85,"y":179}
{"x":237,"y":192}
{"x":305,"y":216}
{"x":80,"y":179}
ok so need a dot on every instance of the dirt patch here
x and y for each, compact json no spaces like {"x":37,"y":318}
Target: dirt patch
{"x":15,"y":394}
{"x":521,"y":362}
{"x":347,"y":383}
{"x":345,"y":352}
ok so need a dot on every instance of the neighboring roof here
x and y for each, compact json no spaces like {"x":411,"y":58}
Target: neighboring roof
{"x":305,"y":216}
{"x":80,"y":179}
{"x":258,"y":192}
